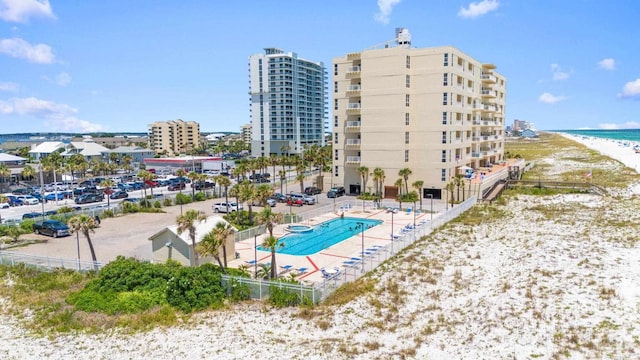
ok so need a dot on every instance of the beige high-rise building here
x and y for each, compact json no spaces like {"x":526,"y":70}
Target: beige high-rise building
{"x":245,"y":131}
{"x":174,"y":136}
{"x":432,"y":110}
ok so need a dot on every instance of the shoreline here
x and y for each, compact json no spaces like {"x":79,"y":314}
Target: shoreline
{"x":612,"y":148}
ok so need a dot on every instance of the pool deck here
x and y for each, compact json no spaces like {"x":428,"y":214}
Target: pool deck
{"x":333,"y":256}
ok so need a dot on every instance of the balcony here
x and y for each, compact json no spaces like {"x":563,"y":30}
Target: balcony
{"x":475,"y":154}
{"x":353,"y":89}
{"x":488,"y":93}
{"x":353,"y":160}
{"x":488,"y":78}
{"x":488,"y":107}
{"x":354,"y":71}
{"x":354,"y":107}
{"x":353,"y":143}
{"x":353,"y":126}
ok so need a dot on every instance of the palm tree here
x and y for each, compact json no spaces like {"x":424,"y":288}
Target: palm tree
{"x":378,"y":177}
{"x":405,"y":175}
{"x":364,"y":173}
{"x":143,"y":174}
{"x":459,"y":181}
{"x":28,"y":172}
{"x":53,"y":162}
{"x":187,"y":222}
{"x":235,"y":192}
{"x":3,"y":199}
{"x":5,"y":172}
{"x":398,"y":185}
{"x":247,"y":192}
{"x":283,"y":175}
{"x":451,"y":185}
{"x":262,"y":193}
{"x":194,"y":177}
{"x":269,"y":219}
{"x":418,"y":184}
{"x":214,"y":240}
{"x":224,"y":182}
{"x":271,"y":242}
{"x":126,"y":162}
{"x":84,"y":224}
{"x":107,"y":184}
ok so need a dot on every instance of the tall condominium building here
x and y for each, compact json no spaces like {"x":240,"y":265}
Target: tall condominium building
{"x":288,"y":102}
{"x":174,"y":136}
{"x":431,"y":110}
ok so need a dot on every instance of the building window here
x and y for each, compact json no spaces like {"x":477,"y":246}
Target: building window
{"x":408,"y":81}
{"x":443,"y":175}
{"x":444,"y":118}
{"x":444,"y":155}
{"x":444,"y":137}
{"x":406,"y":118}
{"x":335,"y":121}
{"x":335,"y":155}
{"x":335,"y":69}
{"x":444,"y":99}
{"x":445,"y":79}
{"x":446,"y":60}
{"x":406,"y":100}
{"x":336,"y":171}
{"x":335,"y":138}
{"x":335,"y":104}
{"x":406,"y":137}
{"x":406,"y":156}
{"x":335,"y":86}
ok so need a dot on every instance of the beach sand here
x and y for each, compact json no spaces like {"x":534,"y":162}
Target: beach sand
{"x":551,"y":277}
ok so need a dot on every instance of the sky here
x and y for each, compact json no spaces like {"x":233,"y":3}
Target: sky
{"x":119,"y":65}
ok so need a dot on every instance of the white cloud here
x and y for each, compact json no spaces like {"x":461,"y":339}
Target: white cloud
{"x":478,"y":9}
{"x":63,"y":79}
{"x":385,"y":6}
{"x":9,"y":87}
{"x":550,"y":99}
{"x":21,"y":10}
{"x":607,"y":64}
{"x":631,"y":90}
{"x":627,"y":125}
{"x":558,"y":74}
{"x":58,"y":117}
{"x":21,"y":49}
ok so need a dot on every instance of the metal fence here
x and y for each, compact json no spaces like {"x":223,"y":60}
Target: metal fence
{"x":47,"y":263}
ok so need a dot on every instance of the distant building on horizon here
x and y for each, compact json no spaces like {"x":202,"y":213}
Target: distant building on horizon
{"x":174,"y":137}
{"x":245,"y":131}
{"x":435,"y":111}
{"x":519,"y":125}
{"x":288,"y":102}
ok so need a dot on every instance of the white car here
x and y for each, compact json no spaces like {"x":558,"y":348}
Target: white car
{"x":226,"y":208}
{"x":28,"y":200}
{"x":4,"y":205}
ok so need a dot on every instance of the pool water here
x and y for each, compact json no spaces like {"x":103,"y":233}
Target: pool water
{"x":322,"y":236}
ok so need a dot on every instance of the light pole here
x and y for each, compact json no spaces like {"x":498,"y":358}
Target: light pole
{"x":362,"y":234}
{"x":255,"y":255}
{"x":392,"y":212}
{"x":431,"y":212}
{"x":42,"y":189}
{"x":169,"y":246}
{"x":78,"y":247}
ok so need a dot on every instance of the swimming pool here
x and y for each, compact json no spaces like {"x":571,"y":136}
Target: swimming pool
{"x":322,"y":236}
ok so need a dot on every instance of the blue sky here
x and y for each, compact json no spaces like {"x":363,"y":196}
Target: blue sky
{"x":119,"y":65}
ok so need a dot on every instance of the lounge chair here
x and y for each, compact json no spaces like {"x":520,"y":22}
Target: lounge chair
{"x":251,"y":262}
{"x":302,"y":270}
{"x":349,"y":263}
{"x":286,"y":267}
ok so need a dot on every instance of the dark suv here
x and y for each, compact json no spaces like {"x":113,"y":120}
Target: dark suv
{"x":336,"y":191}
{"x":312,"y":190}
{"x":53,"y":228}
{"x":89,"y":198}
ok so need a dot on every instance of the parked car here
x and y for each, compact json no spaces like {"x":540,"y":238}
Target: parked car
{"x":176,"y":186}
{"x":308,"y":199}
{"x":53,"y":228}
{"x":14,"y":201}
{"x":295,"y":200}
{"x":89,"y":198}
{"x":31,"y":215}
{"x":279,"y":197}
{"x":269,"y":201}
{"x":226,"y":207}
{"x":28,"y":199}
{"x":201,"y":185}
{"x":312,"y":190}
{"x":335,"y":192}
{"x":125,"y":187}
{"x":21,"y":191}
{"x":119,"y":194}
{"x":53,"y":196}
{"x":4,"y":205}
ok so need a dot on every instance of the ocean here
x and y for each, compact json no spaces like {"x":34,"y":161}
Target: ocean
{"x":626,"y":134}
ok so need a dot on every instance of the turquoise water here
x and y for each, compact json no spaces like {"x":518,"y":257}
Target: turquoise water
{"x":322,"y":236}
{"x":627,"y":134}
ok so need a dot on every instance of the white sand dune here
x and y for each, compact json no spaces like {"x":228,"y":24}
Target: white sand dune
{"x":550,"y":277}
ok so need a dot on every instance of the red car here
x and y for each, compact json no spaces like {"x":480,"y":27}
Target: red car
{"x":294,"y":201}
{"x":176,"y":186}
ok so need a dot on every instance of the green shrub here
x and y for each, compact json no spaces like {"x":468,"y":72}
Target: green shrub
{"x":194,"y":289}
{"x":66,"y":209}
{"x":239,"y":292}
{"x":182,"y":199}
{"x":167,"y":202}
{"x":157,"y":204}
{"x":107,"y":213}
{"x":129,"y":207}
{"x":145,"y":203}
{"x":282,"y":297}
{"x":200,"y":196}
{"x":27,"y":225}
